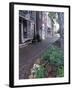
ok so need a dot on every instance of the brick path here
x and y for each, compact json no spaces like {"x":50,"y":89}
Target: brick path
{"x":29,"y":54}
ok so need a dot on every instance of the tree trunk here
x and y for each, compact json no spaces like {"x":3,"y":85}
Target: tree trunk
{"x":61,"y":29}
{"x":37,"y":26}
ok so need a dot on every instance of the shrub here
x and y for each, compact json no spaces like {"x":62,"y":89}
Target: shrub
{"x":60,"y":71}
{"x":54,"y":55}
{"x":40,"y":72}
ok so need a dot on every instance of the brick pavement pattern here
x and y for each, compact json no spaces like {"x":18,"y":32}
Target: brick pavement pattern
{"x":29,"y":54}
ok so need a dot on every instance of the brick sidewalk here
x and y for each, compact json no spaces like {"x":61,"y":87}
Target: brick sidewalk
{"x":29,"y":54}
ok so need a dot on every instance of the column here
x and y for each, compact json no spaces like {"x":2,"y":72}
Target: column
{"x":22,"y":35}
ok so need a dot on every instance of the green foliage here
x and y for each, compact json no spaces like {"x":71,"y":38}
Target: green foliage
{"x":52,"y":14}
{"x":54,"y":56}
{"x":60,"y":71}
{"x":40,"y":72}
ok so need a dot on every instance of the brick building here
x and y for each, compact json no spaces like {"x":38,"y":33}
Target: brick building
{"x":33,"y":25}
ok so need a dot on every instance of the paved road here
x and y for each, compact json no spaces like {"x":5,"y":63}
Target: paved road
{"x":29,"y":54}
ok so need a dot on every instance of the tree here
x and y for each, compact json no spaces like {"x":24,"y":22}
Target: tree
{"x":37,"y":25}
{"x":52,"y":16}
{"x":61,"y":29}
{"x":60,"y":20}
{"x":36,"y":36}
{"x":61,"y":23}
